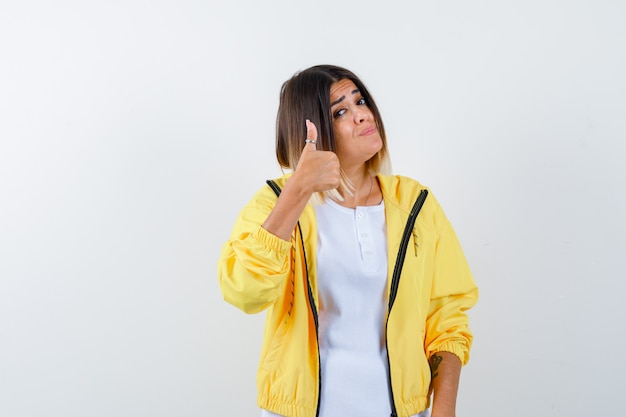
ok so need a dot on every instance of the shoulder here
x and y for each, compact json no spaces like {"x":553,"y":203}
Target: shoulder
{"x":400,"y":190}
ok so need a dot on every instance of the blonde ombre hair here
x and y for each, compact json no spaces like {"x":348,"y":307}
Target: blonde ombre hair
{"x":306,"y":95}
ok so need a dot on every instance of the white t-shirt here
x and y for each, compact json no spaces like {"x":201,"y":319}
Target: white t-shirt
{"x":352,"y":287}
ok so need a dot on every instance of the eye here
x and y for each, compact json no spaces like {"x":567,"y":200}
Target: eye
{"x":361,"y":101}
{"x":340,"y":113}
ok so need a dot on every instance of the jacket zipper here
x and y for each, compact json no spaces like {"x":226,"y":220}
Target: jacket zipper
{"x":315,"y":319}
{"x":277,"y":190}
{"x":395,"y":281}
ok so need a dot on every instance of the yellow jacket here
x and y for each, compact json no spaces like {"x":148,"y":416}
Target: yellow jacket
{"x":259,"y":271}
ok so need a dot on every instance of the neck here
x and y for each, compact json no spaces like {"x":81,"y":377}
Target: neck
{"x":363,"y":183}
{"x":360,"y":178}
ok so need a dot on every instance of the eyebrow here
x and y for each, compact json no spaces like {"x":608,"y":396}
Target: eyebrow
{"x":342,"y":98}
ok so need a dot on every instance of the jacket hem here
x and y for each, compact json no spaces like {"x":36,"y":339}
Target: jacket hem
{"x":413,"y":406}
{"x":284,"y":408}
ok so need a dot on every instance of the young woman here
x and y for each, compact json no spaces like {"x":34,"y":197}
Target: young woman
{"x":359,"y":322}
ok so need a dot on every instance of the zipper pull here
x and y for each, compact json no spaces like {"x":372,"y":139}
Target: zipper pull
{"x":415,"y":245}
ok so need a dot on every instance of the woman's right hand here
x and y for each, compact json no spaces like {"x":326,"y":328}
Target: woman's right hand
{"x":317,"y":170}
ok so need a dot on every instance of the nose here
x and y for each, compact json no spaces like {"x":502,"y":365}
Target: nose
{"x":362,"y":114}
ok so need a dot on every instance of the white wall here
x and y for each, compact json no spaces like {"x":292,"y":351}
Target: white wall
{"x":132,"y":132}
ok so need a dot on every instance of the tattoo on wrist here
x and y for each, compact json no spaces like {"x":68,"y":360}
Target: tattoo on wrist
{"x":434,"y":361}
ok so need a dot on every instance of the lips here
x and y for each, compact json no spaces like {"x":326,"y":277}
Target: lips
{"x":368,"y":131}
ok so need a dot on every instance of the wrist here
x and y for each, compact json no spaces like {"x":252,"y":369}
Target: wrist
{"x":300,"y":188}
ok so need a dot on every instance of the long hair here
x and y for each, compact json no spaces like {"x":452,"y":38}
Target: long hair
{"x":306,"y":95}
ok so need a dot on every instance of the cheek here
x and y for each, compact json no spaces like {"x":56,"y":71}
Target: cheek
{"x":340,"y":133}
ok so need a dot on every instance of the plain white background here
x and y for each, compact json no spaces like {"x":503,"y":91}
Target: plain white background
{"x":132,"y":132}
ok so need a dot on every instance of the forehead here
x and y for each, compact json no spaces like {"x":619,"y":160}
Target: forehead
{"x":340,"y":88}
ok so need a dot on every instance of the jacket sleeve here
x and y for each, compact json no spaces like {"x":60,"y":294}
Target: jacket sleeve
{"x":254,"y":264}
{"x":453,"y":292}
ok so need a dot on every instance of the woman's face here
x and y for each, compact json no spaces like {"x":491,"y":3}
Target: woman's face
{"x":356,"y":135}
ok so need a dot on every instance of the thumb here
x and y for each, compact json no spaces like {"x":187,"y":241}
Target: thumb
{"x":311,"y":136}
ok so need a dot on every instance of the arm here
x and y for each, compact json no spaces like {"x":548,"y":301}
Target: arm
{"x":316,"y":171}
{"x":255,"y":262}
{"x":445,"y":369}
{"x":290,"y":204}
{"x":448,"y":337}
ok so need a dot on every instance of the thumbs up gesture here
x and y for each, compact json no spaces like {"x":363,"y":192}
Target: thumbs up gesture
{"x":316,"y":170}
